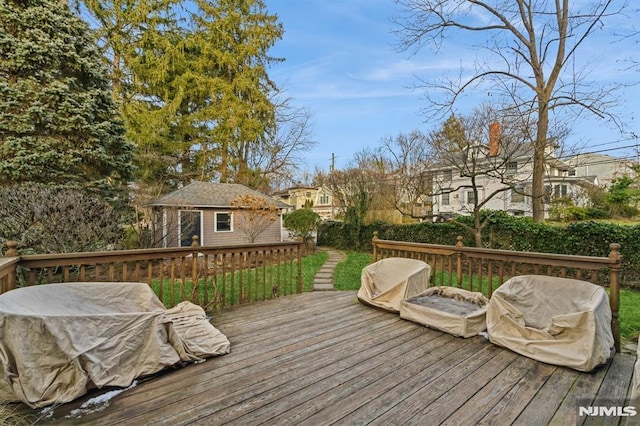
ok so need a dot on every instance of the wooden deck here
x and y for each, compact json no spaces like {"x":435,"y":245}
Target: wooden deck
{"x":323,"y":358}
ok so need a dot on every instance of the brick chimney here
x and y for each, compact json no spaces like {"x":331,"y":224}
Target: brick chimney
{"x":494,"y":139}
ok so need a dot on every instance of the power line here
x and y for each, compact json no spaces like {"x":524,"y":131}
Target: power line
{"x":635,"y":138}
{"x":598,"y":151}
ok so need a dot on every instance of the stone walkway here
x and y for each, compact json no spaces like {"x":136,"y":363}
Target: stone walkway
{"x":323,"y":279}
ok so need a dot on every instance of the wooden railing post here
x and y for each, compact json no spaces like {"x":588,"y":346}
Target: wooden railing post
{"x":12,"y":251}
{"x":373,"y":244}
{"x":459,"y":245}
{"x":12,"y":247}
{"x":614,"y":291}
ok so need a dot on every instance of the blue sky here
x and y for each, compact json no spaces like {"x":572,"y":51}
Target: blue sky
{"x":341,"y":64}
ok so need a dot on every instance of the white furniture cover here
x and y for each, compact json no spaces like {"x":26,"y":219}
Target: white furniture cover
{"x":554,"y":320}
{"x":452,"y":310}
{"x":59,"y":340}
{"x":387,"y":282}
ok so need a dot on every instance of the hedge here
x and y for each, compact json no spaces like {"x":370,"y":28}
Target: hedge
{"x":588,"y":238}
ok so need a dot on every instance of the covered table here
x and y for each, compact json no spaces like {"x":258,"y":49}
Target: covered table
{"x":387,"y":282}
{"x":559,"y":321}
{"x":452,"y":310}
{"x":59,"y":340}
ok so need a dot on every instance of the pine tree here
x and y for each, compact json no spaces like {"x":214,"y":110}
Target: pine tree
{"x":236,"y":36}
{"x":203,"y":104}
{"x":58,"y":122}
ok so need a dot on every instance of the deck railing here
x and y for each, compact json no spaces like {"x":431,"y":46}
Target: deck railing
{"x":479,"y":269}
{"x":7,"y":273}
{"x":210,"y":276}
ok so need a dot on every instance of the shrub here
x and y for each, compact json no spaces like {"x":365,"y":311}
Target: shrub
{"x":303,"y":223}
{"x":588,"y":238}
{"x":45,"y":219}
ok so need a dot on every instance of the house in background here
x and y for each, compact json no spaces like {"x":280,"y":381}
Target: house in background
{"x":208,"y":211}
{"x":453,"y":194}
{"x":605,"y":167}
{"x":319,"y":199}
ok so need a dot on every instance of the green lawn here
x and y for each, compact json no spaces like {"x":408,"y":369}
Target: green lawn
{"x":244,"y":286}
{"x":347,"y":277}
{"x":347,"y":274}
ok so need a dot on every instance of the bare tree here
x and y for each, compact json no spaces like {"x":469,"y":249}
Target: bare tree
{"x":254,"y":215}
{"x":283,"y":150}
{"x":358,"y":187}
{"x":407,"y":157}
{"x":532,"y":61}
{"x":483,"y":154}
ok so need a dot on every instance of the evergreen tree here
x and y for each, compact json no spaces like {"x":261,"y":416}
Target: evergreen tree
{"x":235,"y":36}
{"x":58,"y":122}
{"x":201,"y":105}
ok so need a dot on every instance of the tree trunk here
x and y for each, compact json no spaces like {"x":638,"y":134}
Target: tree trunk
{"x":477,"y":235}
{"x":477,"y":225}
{"x":540,"y":145}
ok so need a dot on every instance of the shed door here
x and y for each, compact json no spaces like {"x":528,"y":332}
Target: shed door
{"x":190,"y":225}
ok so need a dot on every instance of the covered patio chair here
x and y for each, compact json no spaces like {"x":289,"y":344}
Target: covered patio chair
{"x":559,"y":321}
{"x":387,"y":282}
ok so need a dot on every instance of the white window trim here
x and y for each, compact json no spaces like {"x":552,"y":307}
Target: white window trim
{"x":165,"y":227}
{"x":215,"y":221}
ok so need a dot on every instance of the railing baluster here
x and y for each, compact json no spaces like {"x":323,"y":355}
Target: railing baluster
{"x":490,"y":278}
{"x":238,"y":274}
{"x":172,"y":282}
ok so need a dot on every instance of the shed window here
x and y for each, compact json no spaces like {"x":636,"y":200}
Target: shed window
{"x":223,"y":222}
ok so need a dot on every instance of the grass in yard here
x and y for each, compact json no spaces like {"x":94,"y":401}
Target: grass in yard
{"x":347,"y":277}
{"x":347,"y":274}
{"x":629,"y":314}
{"x":251,"y":284}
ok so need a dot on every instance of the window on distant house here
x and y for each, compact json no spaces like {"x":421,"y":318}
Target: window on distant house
{"x":560,"y":190}
{"x":223,"y":222}
{"x":512,"y":168}
{"x":446,"y":200}
{"x":324,"y":199}
{"x":447,"y":175}
{"x":547,"y":193}
{"x":471,"y":197}
{"x":517,"y":196}
{"x":572,"y":172}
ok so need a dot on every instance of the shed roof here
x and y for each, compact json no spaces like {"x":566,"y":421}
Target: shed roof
{"x":208,"y":194}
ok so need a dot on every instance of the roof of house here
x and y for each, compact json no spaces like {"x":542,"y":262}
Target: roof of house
{"x":208,"y":194}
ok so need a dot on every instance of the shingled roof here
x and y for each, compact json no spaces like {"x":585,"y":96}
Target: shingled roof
{"x":207,"y":194}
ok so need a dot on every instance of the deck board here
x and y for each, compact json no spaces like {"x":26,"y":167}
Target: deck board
{"x":324,"y":358}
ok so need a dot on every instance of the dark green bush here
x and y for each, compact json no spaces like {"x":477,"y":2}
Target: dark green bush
{"x":503,"y":231}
